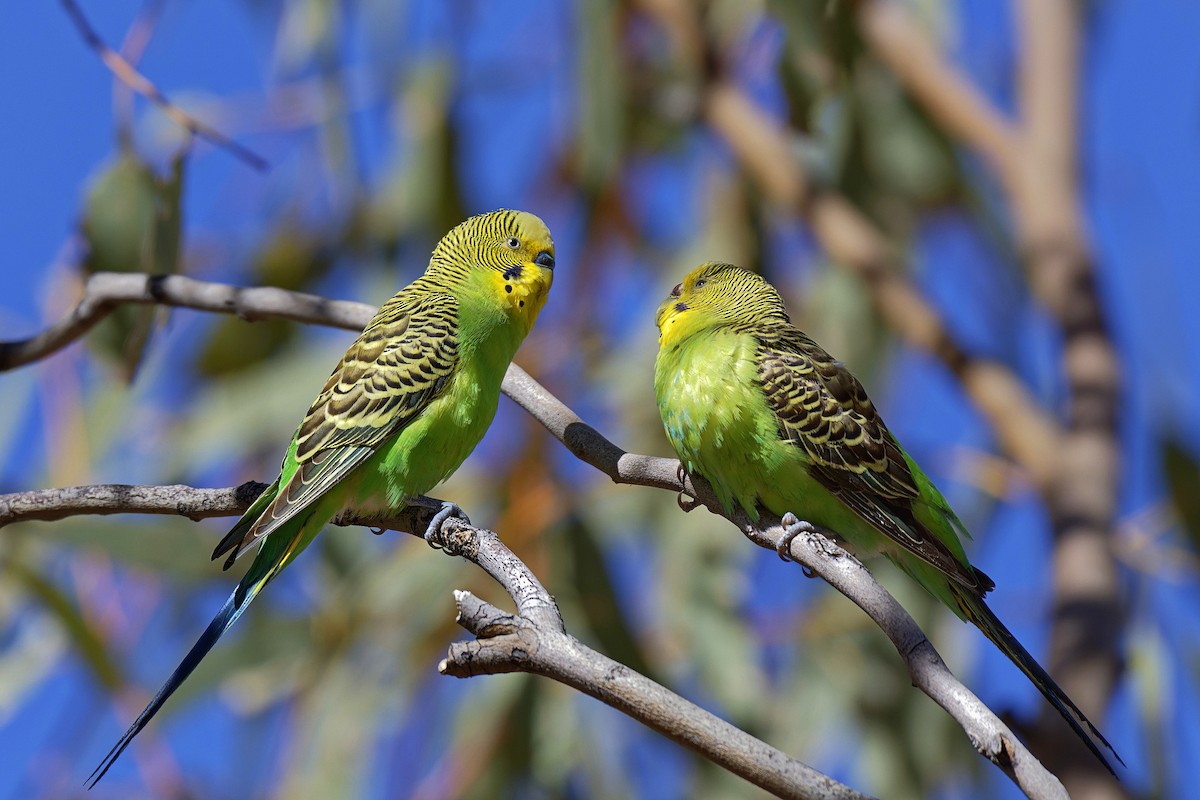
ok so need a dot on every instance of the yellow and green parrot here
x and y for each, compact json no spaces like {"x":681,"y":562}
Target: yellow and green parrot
{"x":403,"y":408}
{"x":771,"y":420}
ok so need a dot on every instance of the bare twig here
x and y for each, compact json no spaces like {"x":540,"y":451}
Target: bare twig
{"x":508,"y":643}
{"x":128,"y":74}
{"x":535,"y":640}
{"x":105,"y":291}
{"x":989,"y":735}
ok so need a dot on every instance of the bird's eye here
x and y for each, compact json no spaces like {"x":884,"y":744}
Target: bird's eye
{"x":677,"y":290}
{"x":700,"y":283}
{"x":512,"y":243}
{"x":545,"y":259}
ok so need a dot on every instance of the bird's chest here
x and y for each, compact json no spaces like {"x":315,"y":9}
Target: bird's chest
{"x":436,"y":443}
{"x":714,"y":412}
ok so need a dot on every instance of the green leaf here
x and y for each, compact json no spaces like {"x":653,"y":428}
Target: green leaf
{"x":132,"y":222}
{"x":1183,"y":482}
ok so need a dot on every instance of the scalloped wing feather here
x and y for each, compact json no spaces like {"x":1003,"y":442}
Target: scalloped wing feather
{"x":400,"y":363}
{"x":823,"y":409}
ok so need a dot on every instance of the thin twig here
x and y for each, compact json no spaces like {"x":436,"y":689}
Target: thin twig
{"x":105,"y":291}
{"x":129,"y":75}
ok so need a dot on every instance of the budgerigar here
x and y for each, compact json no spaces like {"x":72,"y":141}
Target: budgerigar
{"x":403,"y":408}
{"x":773,"y":421}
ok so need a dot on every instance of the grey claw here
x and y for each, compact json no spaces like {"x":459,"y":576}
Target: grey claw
{"x":683,"y":499}
{"x":433,"y":532}
{"x":792,"y":527}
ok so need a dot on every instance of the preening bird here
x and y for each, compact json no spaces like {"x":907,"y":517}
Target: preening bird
{"x":403,"y":408}
{"x":771,"y":420}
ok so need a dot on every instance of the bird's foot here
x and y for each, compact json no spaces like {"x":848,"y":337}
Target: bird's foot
{"x":793,"y":527}
{"x":685,"y":501}
{"x":433,"y":532}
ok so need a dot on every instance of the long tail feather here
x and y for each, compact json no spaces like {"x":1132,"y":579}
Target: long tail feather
{"x":983,"y":618}
{"x":225,"y":618}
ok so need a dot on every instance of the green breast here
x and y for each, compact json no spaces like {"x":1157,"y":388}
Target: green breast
{"x":715,"y":416}
{"x":441,"y":437}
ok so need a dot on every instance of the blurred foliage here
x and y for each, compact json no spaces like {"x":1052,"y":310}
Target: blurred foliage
{"x":1182,"y":471}
{"x":379,"y":119}
{"x":132,"y":222}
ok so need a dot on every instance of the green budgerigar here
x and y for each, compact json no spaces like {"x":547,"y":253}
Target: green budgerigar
{"x":772,"y":421}
{"x":403,"y":408}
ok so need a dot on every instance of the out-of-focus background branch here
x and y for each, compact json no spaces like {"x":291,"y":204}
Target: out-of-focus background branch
{"x":1036,"y":165}
{"x":985,"y":214}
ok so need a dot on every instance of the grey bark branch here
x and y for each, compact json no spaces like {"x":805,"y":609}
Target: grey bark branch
{"x":105,"y":291}
{"x":508,"y":643}
{"x":929,"y":673}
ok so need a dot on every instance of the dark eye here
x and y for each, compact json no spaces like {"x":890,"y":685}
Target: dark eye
{"x":512,"y":243}
{"x":700,"y":283}
{"x":545,"y":259}
{"x":676,"y":291}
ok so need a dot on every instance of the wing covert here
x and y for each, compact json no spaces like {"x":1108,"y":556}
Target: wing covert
{"x":401,"y":361}
{"x":823,"y":409}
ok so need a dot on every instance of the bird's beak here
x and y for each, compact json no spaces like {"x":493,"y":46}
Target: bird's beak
{"x":670,"y":309}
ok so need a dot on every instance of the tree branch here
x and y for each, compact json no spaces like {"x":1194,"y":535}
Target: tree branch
{"x":104,"y":291}
{"x":534,"y":640}
{"x":128,"y":74}
{"x":508,"y":643}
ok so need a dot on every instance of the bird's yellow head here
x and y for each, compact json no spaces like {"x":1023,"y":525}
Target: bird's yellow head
{"x":509,"y":255}
{"x":715,"y":295}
